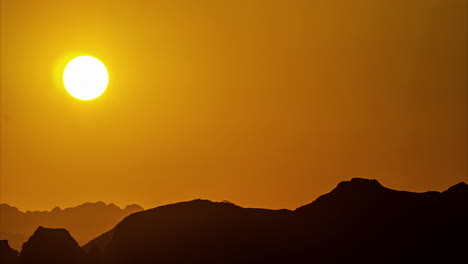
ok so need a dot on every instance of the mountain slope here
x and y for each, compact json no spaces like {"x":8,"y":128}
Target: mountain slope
{"x":49,"y":245}
{"x":84,"y":222}
{"x":14,"y":240}
{"x":360,"y":221}
{"x":7,"y":254}
{"x":198,"y":231}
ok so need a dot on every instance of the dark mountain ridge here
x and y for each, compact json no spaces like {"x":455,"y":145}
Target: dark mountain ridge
{"x":48,"y":245}
{"x":360,"y":221}
{"x":7,"y":254}
{"x":84,"y":222}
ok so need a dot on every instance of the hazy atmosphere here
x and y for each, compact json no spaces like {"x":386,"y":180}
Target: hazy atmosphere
{"x":256,"y":102}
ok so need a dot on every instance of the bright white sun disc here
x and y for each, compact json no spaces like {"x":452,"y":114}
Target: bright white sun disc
{"x":85,"y":77}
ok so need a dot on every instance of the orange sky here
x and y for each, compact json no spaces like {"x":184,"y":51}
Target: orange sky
{"x":263,"y":103}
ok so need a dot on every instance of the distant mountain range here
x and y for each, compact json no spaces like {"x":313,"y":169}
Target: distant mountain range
{"x":360,"y":221}
{"x":84,"y":222}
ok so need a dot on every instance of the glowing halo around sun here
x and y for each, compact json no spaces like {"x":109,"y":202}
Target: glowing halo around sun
{"x":85,"y":77}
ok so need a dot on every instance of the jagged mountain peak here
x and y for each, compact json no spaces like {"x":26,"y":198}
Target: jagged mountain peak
{"x":84,"y":221}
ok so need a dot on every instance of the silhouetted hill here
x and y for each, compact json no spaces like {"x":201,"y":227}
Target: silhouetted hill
{"x":199,"y":231}
{"x":7,"y":254}
{"x":49,"y":245}
{"x":15,"y":240}
{"x":84,"y":222}
{"x":457,"y":193}
{"x":360,"y":221}
{"x":366,"y":221}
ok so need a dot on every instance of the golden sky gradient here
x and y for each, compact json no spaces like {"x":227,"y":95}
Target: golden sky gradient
{"x":263,"y":103}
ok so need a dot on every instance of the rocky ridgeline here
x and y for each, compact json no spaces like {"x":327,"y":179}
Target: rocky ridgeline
{"x":360,"y":221}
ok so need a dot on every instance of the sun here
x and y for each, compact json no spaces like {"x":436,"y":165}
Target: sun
{"x":85,"y":77}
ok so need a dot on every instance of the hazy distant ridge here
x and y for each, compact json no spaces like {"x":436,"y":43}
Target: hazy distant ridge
{"x":84,"y":221}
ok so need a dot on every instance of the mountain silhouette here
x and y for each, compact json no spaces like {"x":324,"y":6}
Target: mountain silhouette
{"x":360,"y":221}
{"x":7,"y":254}
{"x":84,"y":222}
{"x":100,"y":242}
{"x":14,"y":240}
{"x":364,"y":221}
{"x":48,"y":245}
{"x":198,"y":231}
